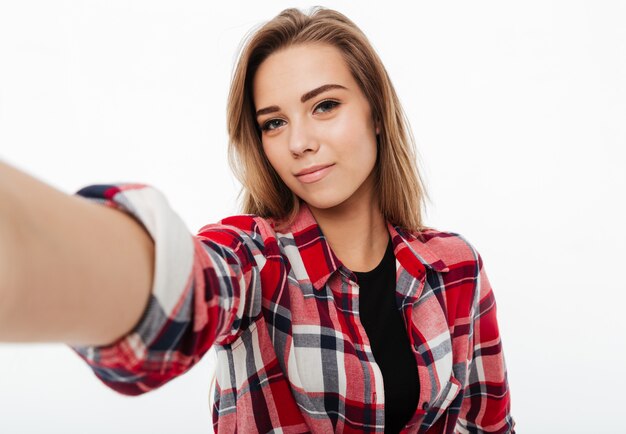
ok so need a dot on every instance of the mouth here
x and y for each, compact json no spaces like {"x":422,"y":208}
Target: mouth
{"x":313,"y":174}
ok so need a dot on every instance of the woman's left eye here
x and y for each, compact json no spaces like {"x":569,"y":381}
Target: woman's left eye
{"x":326,"y":106}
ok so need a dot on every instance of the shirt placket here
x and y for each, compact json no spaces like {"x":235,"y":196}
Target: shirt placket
{"x":407,"y":303}
{"x":377,"y":390}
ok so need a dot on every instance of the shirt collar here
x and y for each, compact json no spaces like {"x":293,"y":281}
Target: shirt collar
{"x":320,"y":261}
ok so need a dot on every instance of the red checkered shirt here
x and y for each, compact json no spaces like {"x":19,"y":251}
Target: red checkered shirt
{"x":282,"y":313}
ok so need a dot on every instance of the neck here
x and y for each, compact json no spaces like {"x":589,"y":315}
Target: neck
{"x":356,"y":231}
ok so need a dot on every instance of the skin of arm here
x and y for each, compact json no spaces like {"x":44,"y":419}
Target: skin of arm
{"x":71,"y":270}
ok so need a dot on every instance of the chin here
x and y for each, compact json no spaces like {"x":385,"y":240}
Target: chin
{"x":325,"y":201}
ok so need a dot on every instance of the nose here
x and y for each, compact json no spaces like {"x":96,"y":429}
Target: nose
{"x":302,"y":139}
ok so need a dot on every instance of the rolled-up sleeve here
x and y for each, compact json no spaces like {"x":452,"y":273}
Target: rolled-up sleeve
{"x":198,"y":297}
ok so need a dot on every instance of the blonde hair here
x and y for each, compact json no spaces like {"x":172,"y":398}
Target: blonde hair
{"x":400,"y":189}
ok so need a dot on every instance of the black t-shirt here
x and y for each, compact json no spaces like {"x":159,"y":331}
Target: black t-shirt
{"x":386,"y":331}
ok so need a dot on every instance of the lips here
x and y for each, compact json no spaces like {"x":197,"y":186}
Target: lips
{"x":312,"y":169}
{"x":313,"y":173}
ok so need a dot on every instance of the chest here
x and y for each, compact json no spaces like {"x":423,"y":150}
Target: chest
{"x":315,"y":343}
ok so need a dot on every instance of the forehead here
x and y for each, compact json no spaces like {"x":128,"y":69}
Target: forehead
{"x":293,"y":71}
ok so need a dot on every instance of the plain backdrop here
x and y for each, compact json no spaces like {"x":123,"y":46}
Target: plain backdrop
{"x":519,"y":114}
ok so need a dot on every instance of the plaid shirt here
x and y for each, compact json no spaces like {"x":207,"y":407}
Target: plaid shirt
{"x":282,"y":313}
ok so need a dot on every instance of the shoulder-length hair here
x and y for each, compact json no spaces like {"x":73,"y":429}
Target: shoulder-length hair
{"x":400,"y":189}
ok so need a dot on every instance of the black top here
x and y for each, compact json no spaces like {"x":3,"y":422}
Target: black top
{"x":386,"y":331}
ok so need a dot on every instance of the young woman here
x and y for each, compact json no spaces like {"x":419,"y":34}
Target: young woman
{"x":331,"y":307}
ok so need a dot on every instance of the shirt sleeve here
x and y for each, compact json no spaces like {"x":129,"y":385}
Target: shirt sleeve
{"x":486,"y":406}
{"x":200,"y":294}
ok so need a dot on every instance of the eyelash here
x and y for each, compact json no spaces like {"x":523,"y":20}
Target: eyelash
{"x":333,"y":104}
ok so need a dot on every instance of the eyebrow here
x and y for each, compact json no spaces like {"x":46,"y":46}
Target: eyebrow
{"x":304,"y":98}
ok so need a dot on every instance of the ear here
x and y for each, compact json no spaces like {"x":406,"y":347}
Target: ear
{"x":377,"y":124}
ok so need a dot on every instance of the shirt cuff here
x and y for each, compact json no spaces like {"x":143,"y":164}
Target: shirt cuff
{"x":170,"y":300}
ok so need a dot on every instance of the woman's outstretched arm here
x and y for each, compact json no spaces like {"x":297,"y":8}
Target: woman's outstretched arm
{"x":56,"y":256}
{"x":115,"y":273}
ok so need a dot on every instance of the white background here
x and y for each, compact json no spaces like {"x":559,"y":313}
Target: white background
{"x":519,"y":113}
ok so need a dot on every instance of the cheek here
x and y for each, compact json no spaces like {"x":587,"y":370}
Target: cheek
{"x":271,"y":157}
{"x":277,"y":160}
{"x":356,"y":136}
{"x":363,"y":155}
{"x":360,"y":146}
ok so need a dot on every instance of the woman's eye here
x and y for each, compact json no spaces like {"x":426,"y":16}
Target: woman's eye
{"x":272,"y":124}
{"x":326,"y":106}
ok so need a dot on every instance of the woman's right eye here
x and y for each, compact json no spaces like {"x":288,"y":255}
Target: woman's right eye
{"x":272,"y":124}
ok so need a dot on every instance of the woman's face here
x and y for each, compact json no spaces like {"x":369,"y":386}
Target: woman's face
{"x":313,"y":115}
